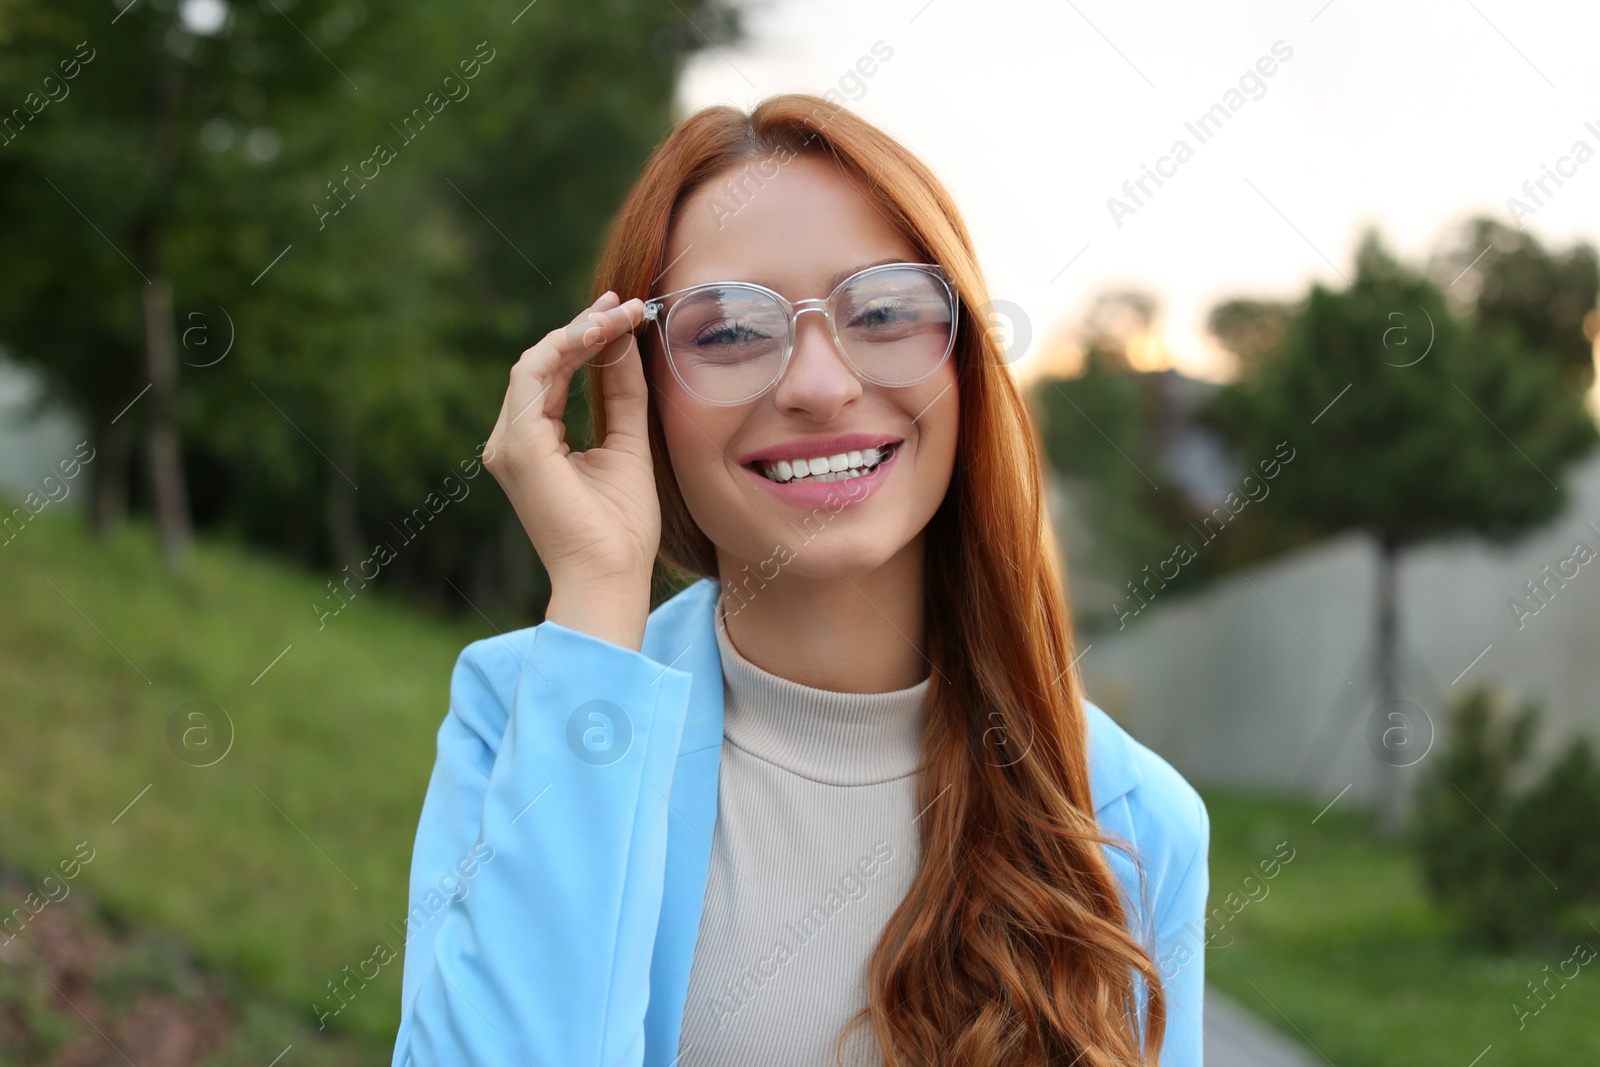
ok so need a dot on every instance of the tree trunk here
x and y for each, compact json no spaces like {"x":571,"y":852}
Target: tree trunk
{"x":1389,"y":782}
{"x":163,"y":443}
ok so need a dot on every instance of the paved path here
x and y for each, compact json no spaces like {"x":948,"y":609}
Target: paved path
{"x":1236,"y":1038}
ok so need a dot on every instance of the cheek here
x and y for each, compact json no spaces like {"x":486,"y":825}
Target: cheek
{"x":940,"y":422}
{"x":685,"y":448}
{"x":696,"y":445}
{"x":677,"y":425}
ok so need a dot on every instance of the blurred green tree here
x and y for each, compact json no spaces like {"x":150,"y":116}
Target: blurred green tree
{"x":1251,"y":330}
{"x":370,"y":301}
{"x":105,"y":178}
{"x":1546,"y":298}
{"x":1408,"y":423}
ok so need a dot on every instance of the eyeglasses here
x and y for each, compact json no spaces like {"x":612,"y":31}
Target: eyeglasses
{"x":729,"y":342}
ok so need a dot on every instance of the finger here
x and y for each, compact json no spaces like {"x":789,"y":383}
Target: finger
{"x":528,"y":396}
{"x":605,"y":335}
{"x":609,"y":321}
{"x":530,"y":427}
{"x":614,"y":327}
{"x":560,"y":350}
{"x":546,"y":368}
{"x":627,"y":403}
{"x":558,"y":356}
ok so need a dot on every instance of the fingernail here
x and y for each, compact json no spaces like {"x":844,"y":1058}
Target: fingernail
{"x":592,"y":335}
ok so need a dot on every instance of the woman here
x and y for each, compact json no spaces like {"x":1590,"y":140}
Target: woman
{"x":920,"y":843}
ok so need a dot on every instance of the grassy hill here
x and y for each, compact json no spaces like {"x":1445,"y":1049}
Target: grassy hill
{"x":285,"y":859}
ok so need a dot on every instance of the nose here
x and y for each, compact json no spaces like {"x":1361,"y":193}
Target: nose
{"x":817,"y":382}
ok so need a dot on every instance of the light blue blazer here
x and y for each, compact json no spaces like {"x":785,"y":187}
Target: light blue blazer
{"x":561,"y":859}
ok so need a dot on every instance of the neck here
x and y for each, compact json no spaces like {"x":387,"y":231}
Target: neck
{"x":855,"y":633}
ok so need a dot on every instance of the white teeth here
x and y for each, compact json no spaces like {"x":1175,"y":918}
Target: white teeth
{"x":833,"y":468}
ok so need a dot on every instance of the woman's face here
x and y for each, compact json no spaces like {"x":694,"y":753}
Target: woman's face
{"x":797,"y":233}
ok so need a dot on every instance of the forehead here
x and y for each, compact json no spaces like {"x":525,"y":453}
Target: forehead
{"x":795,"y":227}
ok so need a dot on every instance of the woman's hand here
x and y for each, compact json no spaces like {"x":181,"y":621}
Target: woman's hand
{"x":593,"y":516}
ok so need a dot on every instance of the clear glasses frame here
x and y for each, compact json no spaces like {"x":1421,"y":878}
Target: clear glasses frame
{"x":654,"y":306}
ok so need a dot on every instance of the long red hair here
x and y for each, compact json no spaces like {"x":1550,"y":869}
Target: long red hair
{"x":1012,"y":946}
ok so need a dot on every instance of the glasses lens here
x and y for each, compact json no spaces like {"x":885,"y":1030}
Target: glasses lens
{"x":726,"y":342}
{"x":895,"y":324}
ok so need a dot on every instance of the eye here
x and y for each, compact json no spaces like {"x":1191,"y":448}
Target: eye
{"x":886,"y":311}
{"x":727,"y":332}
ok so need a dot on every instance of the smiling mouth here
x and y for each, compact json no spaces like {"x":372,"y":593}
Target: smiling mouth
{"x":839,"y":467}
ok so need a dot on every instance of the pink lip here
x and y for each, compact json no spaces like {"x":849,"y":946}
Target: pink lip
{"x":808,"y":447}
{"x":831,"y":495}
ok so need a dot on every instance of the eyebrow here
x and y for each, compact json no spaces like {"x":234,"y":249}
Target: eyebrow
{"x":833,"y":282}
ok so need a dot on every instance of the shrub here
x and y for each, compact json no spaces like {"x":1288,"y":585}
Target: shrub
{"x":1509,"y":861}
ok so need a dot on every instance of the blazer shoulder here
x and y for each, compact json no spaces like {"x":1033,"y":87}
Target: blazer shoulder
{"x":483,"y":685}
{"x":1168,"y":819}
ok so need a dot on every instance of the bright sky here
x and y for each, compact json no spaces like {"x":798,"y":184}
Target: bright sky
{"x":1035,"y":112}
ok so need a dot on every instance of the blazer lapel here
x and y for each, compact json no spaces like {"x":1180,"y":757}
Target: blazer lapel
{"x":682,"y":634}
{"x":1112,"y":769}
{"x":1113,"y":773}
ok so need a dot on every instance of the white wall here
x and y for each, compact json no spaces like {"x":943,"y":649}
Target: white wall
{"x":1264,"y":679}
{"x":30,"y":449}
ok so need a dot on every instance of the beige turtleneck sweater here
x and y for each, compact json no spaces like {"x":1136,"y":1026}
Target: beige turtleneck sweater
{"x":814,"y":847}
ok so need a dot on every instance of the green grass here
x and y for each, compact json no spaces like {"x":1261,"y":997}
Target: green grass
{"x":339,"y":734}
{"x":98,"y":648}
{"x":1344,"y":951}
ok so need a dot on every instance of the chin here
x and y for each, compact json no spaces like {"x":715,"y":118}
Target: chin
{"x":828,"y":566}
{"x":841,"y":554}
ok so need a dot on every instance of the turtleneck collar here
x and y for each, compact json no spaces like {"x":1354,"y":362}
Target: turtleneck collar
{"x":828,"y":737}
